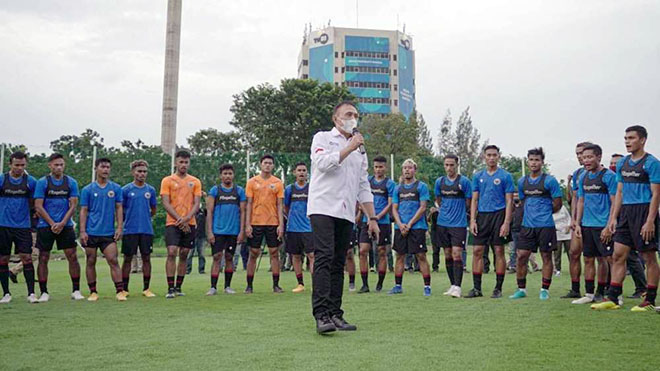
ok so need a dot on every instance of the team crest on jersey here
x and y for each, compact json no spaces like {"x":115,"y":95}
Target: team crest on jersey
{"x":147,"y":195}
{"x":132,"y":194}
{"x":191,"y":184}
{"x":497,"y":181}
{"x":272,"y":186}
{"x":111,"y":194}
{"x":96,"y":194}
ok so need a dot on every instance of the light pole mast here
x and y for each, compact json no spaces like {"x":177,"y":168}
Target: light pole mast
{"x":171,"y":83}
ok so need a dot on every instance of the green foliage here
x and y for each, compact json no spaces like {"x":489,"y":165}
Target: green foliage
{"x":214,"y":142}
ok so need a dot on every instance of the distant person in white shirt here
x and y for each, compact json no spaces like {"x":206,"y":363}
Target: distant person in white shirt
{"x":339,"y":179}
{"x":563,"y":224}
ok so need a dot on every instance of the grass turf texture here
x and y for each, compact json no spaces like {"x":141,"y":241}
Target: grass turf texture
{"x":270,"y":331}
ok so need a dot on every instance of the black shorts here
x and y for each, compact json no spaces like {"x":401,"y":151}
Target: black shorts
{"x":298,"y":243}
{"x":66,"y":239}
{"x":592,"y":246}
{"x":224,"y":242}
{"x":100,"y":242}
{"x":131,"y":242}
{"x":413,"y":243}
{"x":488,"y":229}
{"x":261,"y":232}
{"x":449,"y":237}
{"x":629,"y":227}
{"x":534,"y":239}
{"x":354,"y":242}
{"x":383,"y":237}
{"x":20,"y":237}
{"x":176,"y":237}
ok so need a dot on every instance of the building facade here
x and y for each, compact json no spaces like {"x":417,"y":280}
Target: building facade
{"x":377,"y":66}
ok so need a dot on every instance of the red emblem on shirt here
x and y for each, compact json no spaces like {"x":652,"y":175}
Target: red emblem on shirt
{"x":318,"y":150}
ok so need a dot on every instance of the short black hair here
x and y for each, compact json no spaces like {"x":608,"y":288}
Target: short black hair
{"x":492,"y":146}
{"x":267,"y":155}
{"x":380,"y":159}
{"x":617,"y":155}
{"x":300,"y":164}
{"x":640,"y":130}
{"x":55,"y":156}
{"x":454,"y":157}
{"x":17,"y":155}
{"x":182,"y":154}
{"x":583,"y":144}
{"x":343,"y":103}
{"x":595,"y":148}
{"x":224,"y":167}
{"x":536,"y":152}
{"x":102,"y":160}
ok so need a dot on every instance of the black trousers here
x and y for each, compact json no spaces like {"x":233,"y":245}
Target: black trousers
{"x":331,"y":240}
{"x":636,"y":270}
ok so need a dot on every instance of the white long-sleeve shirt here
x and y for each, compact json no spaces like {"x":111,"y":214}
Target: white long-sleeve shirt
{"x":562,"y":224}
{"x":335,"y":187}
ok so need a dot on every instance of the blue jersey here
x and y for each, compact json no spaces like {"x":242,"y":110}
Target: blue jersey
{"x":382,"y":191}
{"x":100,"y":203}
{"x":56,"y":195}
{"x":15,"y":195}
{"x":537,"y":198}
{"x":637,"y":177}
{"x":408,"y":198}
{"x":492,"y":189}
{"x":138,"y":202}
{"x":596,"y":189}
{"x":295,"y":198}
{"x":453,"y":194}
{"x":575,"y":179}
{"x":227,"y":209}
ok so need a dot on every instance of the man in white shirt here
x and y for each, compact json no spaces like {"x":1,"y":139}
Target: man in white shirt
{"x":339,"y":179}
{"x":563,"y":224}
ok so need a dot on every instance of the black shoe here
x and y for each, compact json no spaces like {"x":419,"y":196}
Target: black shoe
{"x":486,"y":270}
{"x":571,"y":295}
{"x":496,"y":294}
{"x":511,"y":270}
{"x":248,"y":290}
{"x":379,"y":288}
{"x":342,"y":325}
{"x":325,"y":325}
{"x":364,"y":289}
{"x":277,"y":290}
{"x":13,"y":277}
{"x":177,"y":291}
{"x":435,"y":270}
{"x":598,"y":298}
{"x":474,"y":293}
{"x":635,"y":295}
{"x":202,"y":272}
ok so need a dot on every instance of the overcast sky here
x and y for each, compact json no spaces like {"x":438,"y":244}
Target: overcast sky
{"x":534,"y":73}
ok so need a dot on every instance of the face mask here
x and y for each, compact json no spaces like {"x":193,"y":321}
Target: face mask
{"x":349,"y":125}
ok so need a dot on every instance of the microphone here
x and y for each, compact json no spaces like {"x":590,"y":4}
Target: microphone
{"x":361,"y":148}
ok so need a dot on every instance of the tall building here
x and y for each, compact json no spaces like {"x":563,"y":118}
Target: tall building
{"x":377,"y":66}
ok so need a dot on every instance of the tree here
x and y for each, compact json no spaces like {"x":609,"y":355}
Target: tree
{"x":213,"y":142}
{"x":424,"y":139}
{"x":285,"y":119}
{"x":466,"y":143}
{"x":446,"y":139}
{"x":78,"y":147}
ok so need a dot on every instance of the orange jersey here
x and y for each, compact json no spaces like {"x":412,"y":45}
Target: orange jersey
{"x":182,"y":192}
{"x":264,"y":194}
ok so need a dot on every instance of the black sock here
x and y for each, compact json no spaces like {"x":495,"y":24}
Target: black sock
{"x":276,"y":279}
{"x":589,"y":286}
{"x":365,"y":278}
{"x":381,"y":278}
{"x":427,"y":279}
{"x":28,"y":273}
{"x":351,"y":279}
{"x":250,"y":279}
{"x":499,"y":280}
{"x":4,"y":278}
{"x":458,"y":272}
{"x":299,"y":277}
{"x":75,"y":283}
{"x":170,"y":282}
{"x":476,"y":278}
{"x":229,"y":273}
{"x":601,"y":288}
{"x":449,"y":266}
{"x":125,"y":282}
{"x":522,"y":283}
{"x":651,"y":292}
{"x":545,"y":283}
{"x":575,"y":286}
{"x":119,"y":286}
{"x":214,"y":281}
{"x":92,"y":286}
{"x":43,"y":286}
{"x":146,"y":280}
{"x":398,"y":279}
{"x":615,"y":290}
{"x":179,"y":281}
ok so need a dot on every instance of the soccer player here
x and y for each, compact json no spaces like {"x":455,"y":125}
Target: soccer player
{"x":490,"y":218}
{"x":636,"y":211}
{"x":616,"y":157}
{"x":574,"y":263}
{"x":453,"y":193}
{"x":541,"y":195}
{"x":100,"y":204}
{"x":353,"y":244}
{"x":409,"y":209}
{"x":264,"y":219}
{"x":181,"y":194}
{"x":55,"y":200}
{"x":596,"y":192}
{"x":225,"y":225}
{"x":382,"y":189}
{"x":299,"y":229}
{"x":139,"y":202}
{"x":16,"y":195}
